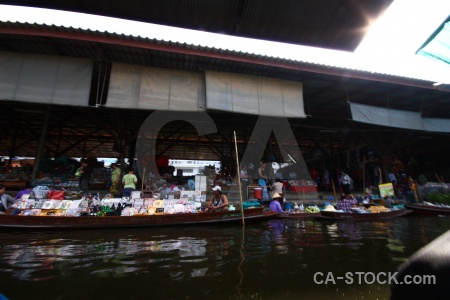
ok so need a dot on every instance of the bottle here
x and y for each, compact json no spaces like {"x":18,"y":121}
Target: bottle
{"x":302,"y":208}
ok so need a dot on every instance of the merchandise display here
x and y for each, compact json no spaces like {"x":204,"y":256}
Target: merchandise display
{"x":189,"y":202}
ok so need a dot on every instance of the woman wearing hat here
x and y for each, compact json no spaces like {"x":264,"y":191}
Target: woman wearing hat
{"x":218,"y":201}
{"x":275,"y":203}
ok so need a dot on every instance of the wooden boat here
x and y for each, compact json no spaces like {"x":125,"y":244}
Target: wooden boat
{"x":61,"y":222}
{"x":301,"y":215}
{"x":428,"y":209}
{"x":334,"y":215}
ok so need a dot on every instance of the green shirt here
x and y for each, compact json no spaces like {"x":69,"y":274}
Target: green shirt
{"x":115,"y":175}
{"x":129,"y":181}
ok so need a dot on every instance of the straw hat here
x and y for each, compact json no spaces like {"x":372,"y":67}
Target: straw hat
{"x":329,"y":207}
{"x":276,"y":195}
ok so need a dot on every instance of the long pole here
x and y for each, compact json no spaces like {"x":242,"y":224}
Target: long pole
{"x":143,"y":179}
{"x":334,"y":190}
{"x":239,"y":178}
{"x":364,"y":174}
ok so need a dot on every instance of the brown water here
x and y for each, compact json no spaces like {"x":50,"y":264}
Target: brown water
{"x":275,"y":259}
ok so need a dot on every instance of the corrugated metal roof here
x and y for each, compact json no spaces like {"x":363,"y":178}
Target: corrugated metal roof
{"x":306,"y":63}
{"x":327,"y":90}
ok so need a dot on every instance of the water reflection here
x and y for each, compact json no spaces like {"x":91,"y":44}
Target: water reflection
{"x":269,"y":260}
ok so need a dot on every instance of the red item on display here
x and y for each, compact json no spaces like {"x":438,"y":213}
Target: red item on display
{"x":56,"y":195}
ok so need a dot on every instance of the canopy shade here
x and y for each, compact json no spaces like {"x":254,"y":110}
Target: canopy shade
{"x":397,"y":118}
{"x":45,"y":78}
{"x":438,"y":46}
{"x":254,"y":95}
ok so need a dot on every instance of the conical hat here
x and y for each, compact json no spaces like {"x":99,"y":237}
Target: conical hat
{"x":329,"y":207}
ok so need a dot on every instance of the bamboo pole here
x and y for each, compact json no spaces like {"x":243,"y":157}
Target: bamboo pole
{"x":143,"y":180}
{"x":364,"y":175}
{"x":334,"y":190}
{"x":239,"y":178}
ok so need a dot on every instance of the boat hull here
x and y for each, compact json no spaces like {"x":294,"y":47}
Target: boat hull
{"x":428,"y":209}
{"x":61,"y":222}
{"x":332,"y":215}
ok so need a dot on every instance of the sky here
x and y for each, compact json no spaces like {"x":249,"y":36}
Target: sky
{"x":389,"y":46}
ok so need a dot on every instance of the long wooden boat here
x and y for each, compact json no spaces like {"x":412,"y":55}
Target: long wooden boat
{"x":301,"y":215}
{"x":428,"y":209}
{"x":333,"y":215}
{"x":62,"y":222}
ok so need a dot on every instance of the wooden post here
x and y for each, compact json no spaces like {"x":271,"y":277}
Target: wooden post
{"x":239,"y":178}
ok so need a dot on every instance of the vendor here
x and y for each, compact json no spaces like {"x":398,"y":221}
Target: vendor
{"x":115,"y":180}
{"x":275,"y":203}
{"x":218,"y":201}
{"x":347,"y":204}
{"x":85,"y":176}
{"x":5,"y":200}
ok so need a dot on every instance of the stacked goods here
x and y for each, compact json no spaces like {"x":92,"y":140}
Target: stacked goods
{"x":93,"y":206}
{"x":378,"y":209}
{"x":312,"y":209}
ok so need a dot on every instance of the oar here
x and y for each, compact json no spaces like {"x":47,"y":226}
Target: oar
{"x":239,"y":178}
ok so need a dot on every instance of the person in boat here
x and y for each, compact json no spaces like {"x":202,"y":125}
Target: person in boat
{"x":164,"y":190}
{"x":347,"y":203}
{"x":115,"y":180}
{"x":191,"y":184}
{"x":151,"y":185}
{"x":5,"y":200}
{"x":174,"y":188}
{"x":277,"y":187}
{"x":129,"y":183}
{"x":275,"y":203}
{"x":218,"y":201}
{"x":85,"y":175}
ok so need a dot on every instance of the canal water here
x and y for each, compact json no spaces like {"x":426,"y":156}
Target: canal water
{"x":274,"y":259}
